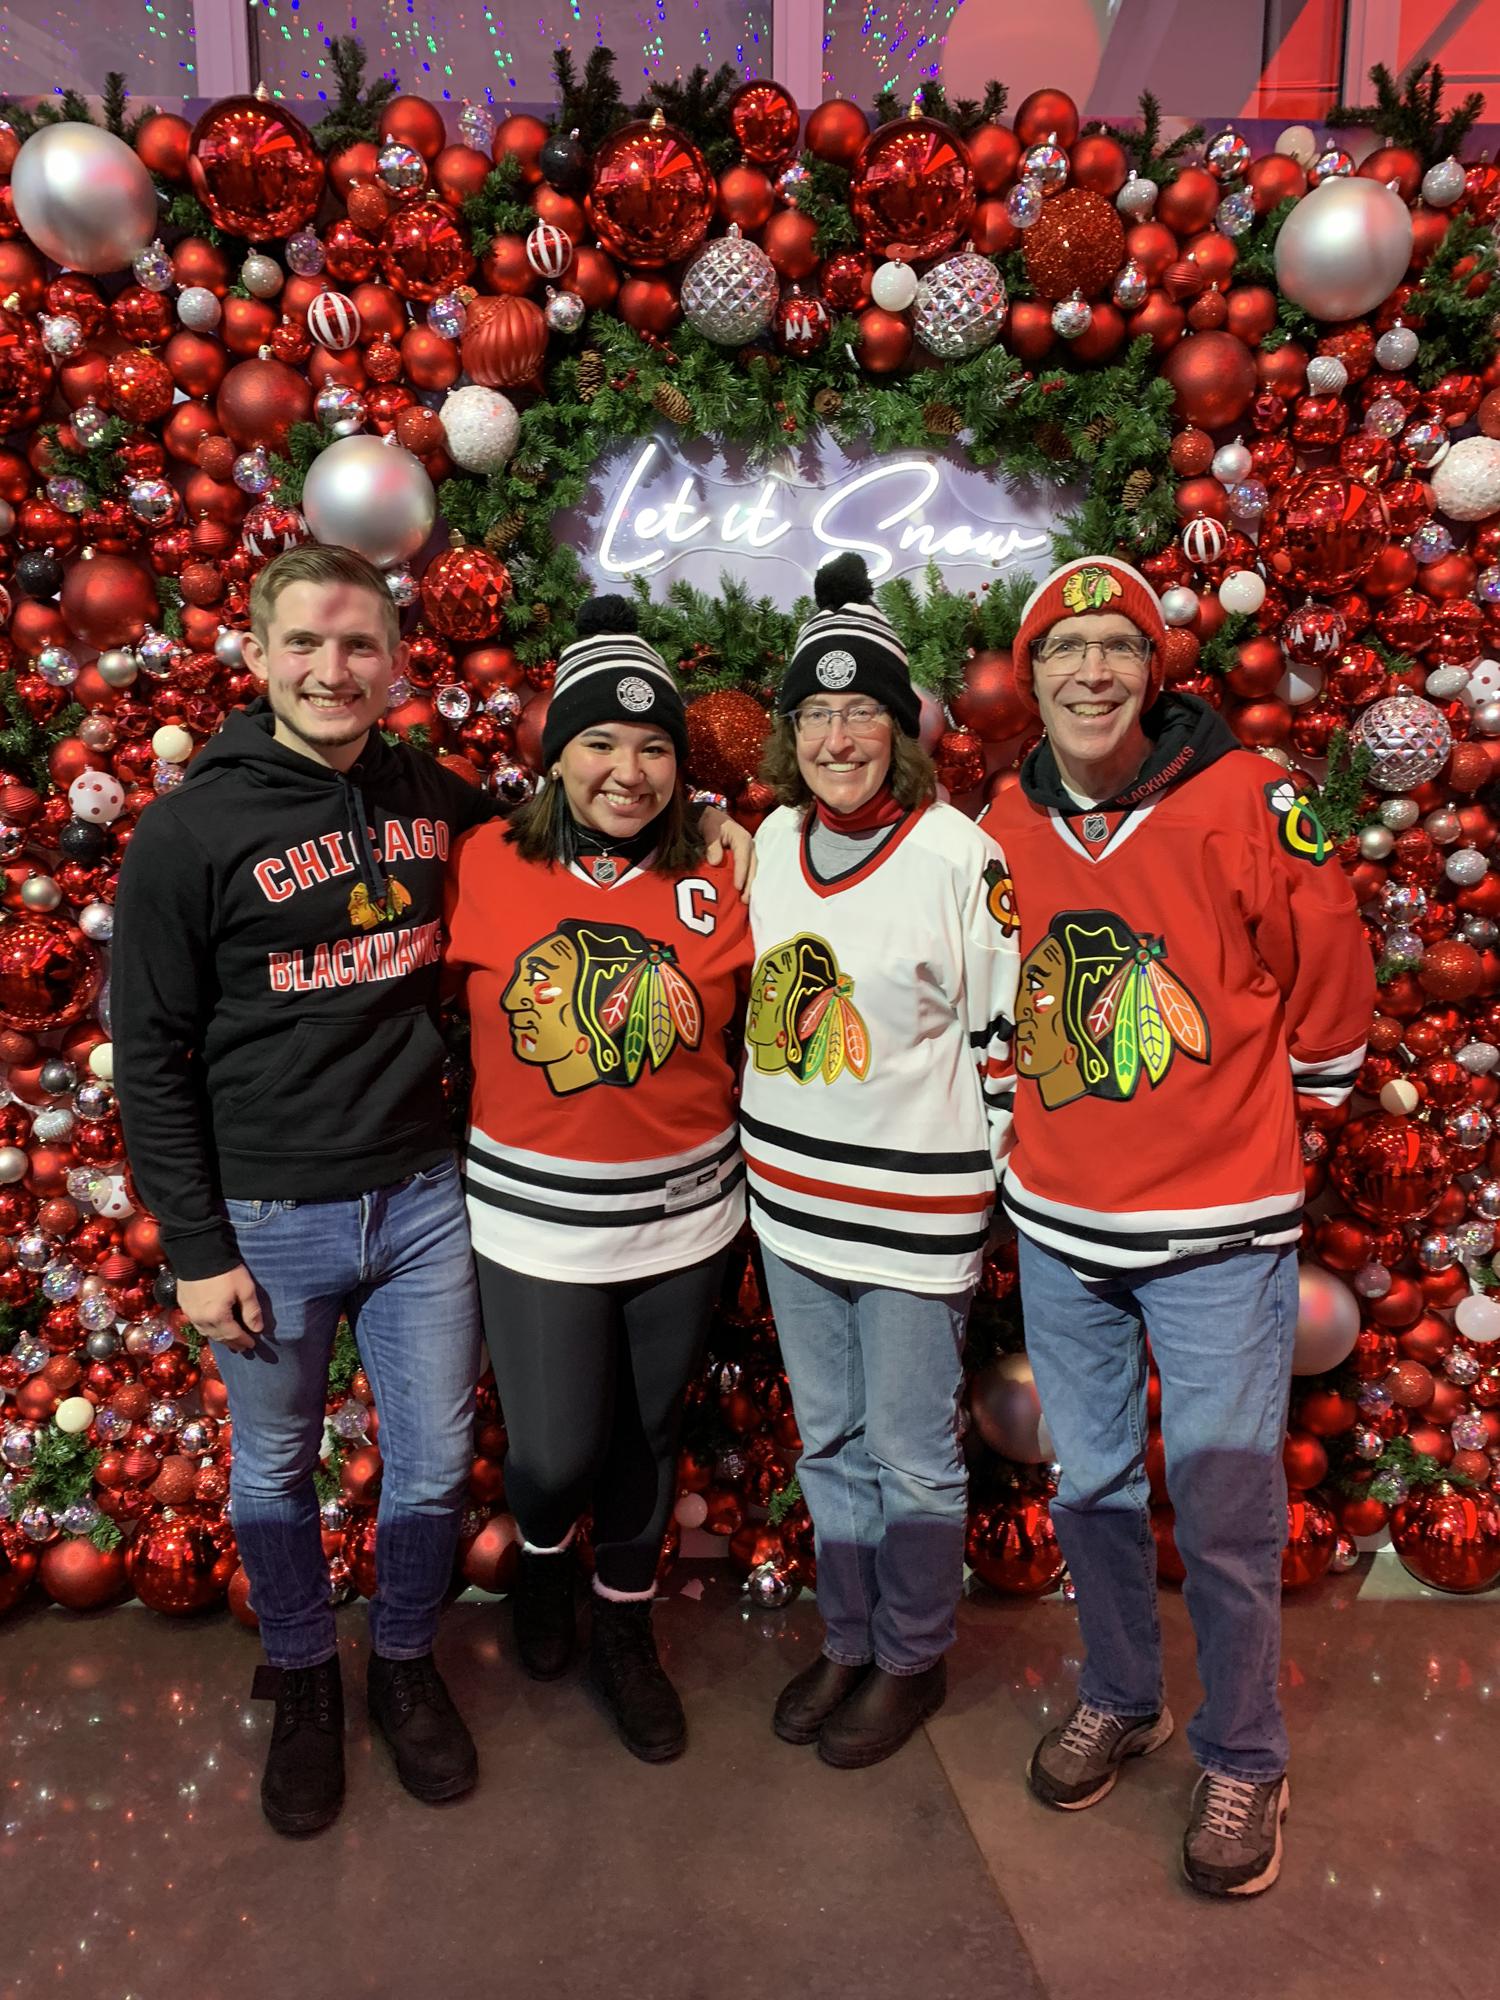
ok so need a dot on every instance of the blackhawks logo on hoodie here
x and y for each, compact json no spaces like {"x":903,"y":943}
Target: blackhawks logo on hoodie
{"x":1098,"y":1009}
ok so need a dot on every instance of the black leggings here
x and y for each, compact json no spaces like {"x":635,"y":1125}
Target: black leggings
{"x":591,"y":1381}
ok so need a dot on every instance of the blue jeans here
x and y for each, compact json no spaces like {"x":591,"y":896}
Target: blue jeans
{"x":876,"y":1378}
{"x":397,"y":1262}
{"x":1221,"y":1333}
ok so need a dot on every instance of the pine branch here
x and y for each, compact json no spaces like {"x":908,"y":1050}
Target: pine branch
{"x":1143,"y":147}
{"x":355,"y":116}
{"x":1342,"y":788}
{"x":498,"y":209}
{"x":1411,"y":113}
{"x":116,"y":97}
{"x":886,"y":108}
{"x":593,"y":107}
{"x":697,"y":107}
{"x":784,"y":1502}
{"x":824,"y":199}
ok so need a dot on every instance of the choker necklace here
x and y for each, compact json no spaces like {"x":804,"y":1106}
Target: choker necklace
{"x":605,"y":857}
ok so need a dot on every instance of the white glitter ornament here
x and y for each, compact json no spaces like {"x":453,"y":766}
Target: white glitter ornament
{"x":960,"y":306}
{"x":894,"y":286}
{"x":1408,"y":741}
{"x":1466,"y":486}
{"x":1443,"y":183}
{"x":261,"y":276}
{"x":199,"y":309}
{"x":730,"y":289}
{"x":1397,"y":349}
{"x":481,"y":427}
{"x":1137,"y":198}
{"x":1326,"y":375}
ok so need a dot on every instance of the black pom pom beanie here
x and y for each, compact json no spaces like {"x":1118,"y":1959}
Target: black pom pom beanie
{"x":610,"y":674}
{"x":849,"y":646}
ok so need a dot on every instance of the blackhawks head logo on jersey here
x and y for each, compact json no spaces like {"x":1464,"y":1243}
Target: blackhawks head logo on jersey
{"x":802,"y":1019}
{"x":1098,"y":1009}
{"x":599,"y":1003}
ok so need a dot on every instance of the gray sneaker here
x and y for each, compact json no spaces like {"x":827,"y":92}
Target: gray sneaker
{"x":1077,"y":1763}
{"x":1233,"y":1842}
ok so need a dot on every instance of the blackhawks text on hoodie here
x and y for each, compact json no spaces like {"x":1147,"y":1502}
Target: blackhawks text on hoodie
{"x":876,"y":1100}
{"x":1192,"y":958}
{"x":276,"y":980}
{"x":602,"y":1142}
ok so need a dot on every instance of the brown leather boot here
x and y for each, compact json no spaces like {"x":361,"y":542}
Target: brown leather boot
{"x":809,"y":1698}
{"x":879,"y":1716}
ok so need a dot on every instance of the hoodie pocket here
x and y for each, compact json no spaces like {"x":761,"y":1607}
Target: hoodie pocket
{"x":341,"y":1086}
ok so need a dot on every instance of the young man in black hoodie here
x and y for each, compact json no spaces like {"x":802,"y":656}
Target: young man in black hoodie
{"x":280,"y":1080}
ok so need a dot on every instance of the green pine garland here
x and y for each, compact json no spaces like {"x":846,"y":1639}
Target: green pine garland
{"x":1411,"y":113}
{"x":61,"y":1475}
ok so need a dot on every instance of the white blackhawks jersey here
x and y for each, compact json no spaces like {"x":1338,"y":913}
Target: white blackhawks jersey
{"x":878,"y":1083}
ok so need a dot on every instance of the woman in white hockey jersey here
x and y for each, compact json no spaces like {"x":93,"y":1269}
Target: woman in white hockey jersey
{"x":875,"y":1114}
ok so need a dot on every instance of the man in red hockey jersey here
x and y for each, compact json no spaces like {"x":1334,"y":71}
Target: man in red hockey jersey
{"x":1192,"y":959}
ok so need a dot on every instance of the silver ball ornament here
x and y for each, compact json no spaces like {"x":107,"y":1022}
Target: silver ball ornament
{"x":1376,"y":842}
{"x":261,"y":275}
{"x":1137,"y":198}
{"x":730,"y":289}
{"x":118,"y":666}
{"x":83,"y":197}
{"x":40,"y":892}
{"x":372,"y":496}
{"x":1397,"y":349}
{"x":1466,"y":866}
{"x":1326,"y":375}
{"x":1443,"y":183}
{"x":960,"y":306}
{"x":565,"y":312}
{"x":199,"y":309}
{"x":1344,"y":247}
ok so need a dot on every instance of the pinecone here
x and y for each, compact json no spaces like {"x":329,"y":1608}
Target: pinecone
{"x":942,"y":420}
{"x":827,"y":403}
{"x":1137,"y":486}
{"x":503,"y":531}
{"x":541,"y":614}
{"x":1097,"y":429}
{"x":1053,"y":440}
{"x":669,"y":399}
{"x":590,"y":374}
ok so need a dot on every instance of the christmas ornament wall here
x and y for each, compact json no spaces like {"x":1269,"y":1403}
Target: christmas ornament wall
{"x":1273,"y":379}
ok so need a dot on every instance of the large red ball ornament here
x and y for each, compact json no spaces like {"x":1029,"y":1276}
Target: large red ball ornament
{"x":1012,"y":1546}
{"x":423,"y":253}
{"x":1394,"y":163}
{"x":76,"y":1574}
{"x":1047,"y":114}
{"x":765,"y":119}
{"x":593,"y":277}
{"x":490,"y":1561}
{"x":912,"y":191}
{"x":260,"y":400}
{"x":791,"y":243}
{"x":182,"y":1560}
{"x":254,"y":167}
{"x":1099,"y":164}
{"x":108,"y":601}
{"x":836,"y":131}
{"x":504,"y":342}
{"x":650,"y":305}
{"x":1323,"y":530}
{"x":414,"y":122}
{"x":49,"y":972}
{"x":989,"y":703}
{"x":1213,"y":378}
{"x":1187,"y":204}
{"x":885,"y":340}
{"x":726,"y":734}
{"x":521,"y":138}
{"x":652,"y":196}
{"x":745,"y":197}
{"x":1390,"y":1170}
{"x":1077,"y":244}
{"x":1449,"y":1537}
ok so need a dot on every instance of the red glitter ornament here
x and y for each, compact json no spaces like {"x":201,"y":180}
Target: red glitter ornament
{"x":1077,"y":244}
{"x":727,"y":733}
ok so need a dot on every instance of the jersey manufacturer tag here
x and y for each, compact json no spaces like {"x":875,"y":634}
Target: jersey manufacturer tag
{"x":692,"y":1189}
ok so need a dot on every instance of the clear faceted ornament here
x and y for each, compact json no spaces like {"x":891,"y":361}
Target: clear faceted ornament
{"x":565,"y":311}
{"x":36,"y":1523}
{"x":960,"y":306}
{"x":30,"y":1354}
{"x":153,"y":268}
{"x":730,"y":290}
{"x":398,"y":694}
{"x":1431,"y":542}
{"x":156,"y":654}
{"x":1236,"y":213}
{"x":1408,"y":740}
{"x":67,"y":494}
{"x":252,"y":470}
{"x":476,"y":127}
{"x":1024,"y":203}
{"x":60,"y":1281}
{"x":18,"y":1445}
{"x":1469,"y":1431}
{"x":453,"y":702}
{"x":403,"y":587}
{"x":1072,"y":317}
{"x":1131,"y":287}
{"x":1461,"y":1368}
{"x":90,"y":423}
{"x":96,"y":1312}
{"x":167,"y":777}
{"x":1390,"y":1487}
{"x":57,"y":666}
{"x":1228,"y":156}
{"x":62,"y":335}
{"x":504,"y":706}
{"x":152,"y":501}
{"x":79,"y":1517}
{"x":448,"y":315}
{"x":1385,"y":417}
{"x":33,"y":1252}
{"x":402,"y":168}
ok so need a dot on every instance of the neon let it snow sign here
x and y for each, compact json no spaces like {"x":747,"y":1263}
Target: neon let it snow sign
{"x":697,"y":517}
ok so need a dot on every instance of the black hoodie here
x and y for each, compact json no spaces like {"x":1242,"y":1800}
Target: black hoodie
{"x":1186,"y":736}
{"x":275,"y":980}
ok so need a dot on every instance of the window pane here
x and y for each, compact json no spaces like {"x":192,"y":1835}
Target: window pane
{"x":71,"y":44}
{"x":502,"y":51}
{"x":1464,"y":39}
{"x":1279,"y":58}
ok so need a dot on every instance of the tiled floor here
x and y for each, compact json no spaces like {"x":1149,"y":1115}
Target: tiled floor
{"x":134,"y":1865}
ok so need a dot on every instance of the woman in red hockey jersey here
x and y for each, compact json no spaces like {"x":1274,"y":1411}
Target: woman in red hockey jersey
{"x":604,"y":963}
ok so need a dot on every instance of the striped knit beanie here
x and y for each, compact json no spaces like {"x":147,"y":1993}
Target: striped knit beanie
{"x":1089,"y":584}
{"x":610,"y":674}
{"x":849,"y":646}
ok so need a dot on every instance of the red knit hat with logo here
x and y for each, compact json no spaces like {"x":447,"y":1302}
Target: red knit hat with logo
{"x":1090,"y":584}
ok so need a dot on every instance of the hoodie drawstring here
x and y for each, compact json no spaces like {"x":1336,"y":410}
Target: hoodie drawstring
{"x":359,"y":827}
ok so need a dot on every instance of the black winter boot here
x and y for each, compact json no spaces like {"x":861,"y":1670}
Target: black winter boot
{"x":546,"y":1621}
{"x":303,"y":1785}
{"x":625,"y":1671}
{"x":414,"y":1712}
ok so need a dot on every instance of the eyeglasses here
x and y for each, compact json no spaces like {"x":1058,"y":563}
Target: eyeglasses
{"x":862,"y":719}
{"x":1120,"y":652}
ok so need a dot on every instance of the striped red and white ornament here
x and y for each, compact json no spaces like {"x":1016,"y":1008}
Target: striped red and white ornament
{"x":1203,"y":539}
{"x":333,"y":321}
{"x":549,"y":250}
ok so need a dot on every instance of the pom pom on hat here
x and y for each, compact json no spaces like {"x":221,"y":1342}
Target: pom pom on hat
{"x":845,"y":580}
{"x":1087,"y":585}
{"x":607,"y":614}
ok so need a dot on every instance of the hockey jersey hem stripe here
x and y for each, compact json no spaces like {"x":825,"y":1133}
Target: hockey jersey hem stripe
{"x":1000,"y":1029}
{"x":862,"y":1197}
{"x":915,"y":1245}
{"x":1126,"y":1265}
{"x":1157,"y":1233}
{"x":595,"y":1217}
{"x":596,"y":1176}
{"x":877,"y":1158}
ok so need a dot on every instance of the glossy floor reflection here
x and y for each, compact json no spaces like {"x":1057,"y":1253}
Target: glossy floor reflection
{"x":135,"y":1865}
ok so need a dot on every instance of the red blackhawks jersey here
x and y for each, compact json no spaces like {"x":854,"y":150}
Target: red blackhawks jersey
{"x":877,"y":1089}
{"x":1192,"y":958}
{"x":602,"y":1141}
